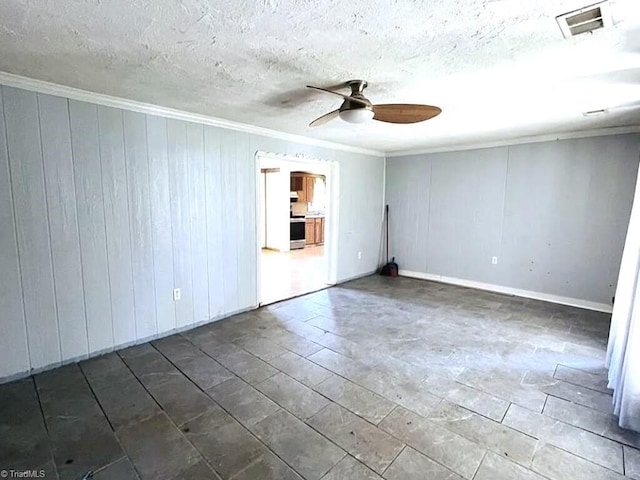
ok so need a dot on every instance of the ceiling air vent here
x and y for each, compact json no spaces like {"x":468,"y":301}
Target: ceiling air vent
{"x":585,"y":20}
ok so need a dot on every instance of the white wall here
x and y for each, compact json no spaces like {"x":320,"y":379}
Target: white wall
{"x":554,"y":213}
{"x":263,"y":210}
{"x":103,"y":211}
{"x":277,"y":210}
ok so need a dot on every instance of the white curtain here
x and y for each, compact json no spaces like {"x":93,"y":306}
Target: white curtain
{"x":318,"y":203}
{"x":623,"y":351}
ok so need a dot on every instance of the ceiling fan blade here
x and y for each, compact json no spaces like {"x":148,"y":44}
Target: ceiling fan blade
{"x":346,"y":97}
{"x":325,"y":118}
{"x":404,"y":112}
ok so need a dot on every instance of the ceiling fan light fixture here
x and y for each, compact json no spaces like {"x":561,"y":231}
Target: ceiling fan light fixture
{"x":356,"y":115}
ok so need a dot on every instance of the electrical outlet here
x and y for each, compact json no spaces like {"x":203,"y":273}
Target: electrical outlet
{"x":177,"y":294}
{"x":359,"y":255}
{"x":494,"y":260}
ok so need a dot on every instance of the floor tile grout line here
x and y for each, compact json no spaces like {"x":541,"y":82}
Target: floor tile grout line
{"x":508,"y":427}
{"x":444,"y":399}
{"x":576,"y":403}
{"x":44,"y":420}
{"x":545,"y":442}
{"x":309,"y":426}
{"x":306,"y":422}
{"x":484,"y":455}
{"x":404,"y":447}
{"x":504,"y":415}
{"x":314,"y":389}
{"x":221,"y":356}
{"x":95,"y":397}
{"x":240,"y":347}
{"x":619,"y":442}
{"x":499,"y":397}
{"x":162,"y":412}
{"x":179,"y":427}
{"x":44,"y":424}
{"x":349,"y":379}
{"x":279,"y":344}
{"x":609,"y":393}
{"x":419,"y":450}
{"x":232,"y":416}
{"x":395,"y":407}
{"x":104,"y":414}
{"x":544,"y":405}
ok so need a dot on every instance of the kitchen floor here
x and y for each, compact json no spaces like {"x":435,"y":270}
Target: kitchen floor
{"x":376,"y":378}
{"x":290,"y":274}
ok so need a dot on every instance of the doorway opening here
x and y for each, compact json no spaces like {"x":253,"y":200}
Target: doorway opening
{"x":297,"y":220}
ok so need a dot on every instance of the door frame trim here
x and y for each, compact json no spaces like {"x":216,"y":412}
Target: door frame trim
{"x":332,"y":213}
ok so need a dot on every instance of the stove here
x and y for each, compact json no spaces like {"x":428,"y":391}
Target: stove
{"x":297,"y":232}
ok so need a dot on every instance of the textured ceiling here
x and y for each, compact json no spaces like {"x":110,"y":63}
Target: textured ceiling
{"x":499,"y":69}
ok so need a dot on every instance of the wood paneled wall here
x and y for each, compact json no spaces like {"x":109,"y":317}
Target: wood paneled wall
{"x":103,"y":212}
{"x":555,"y":215}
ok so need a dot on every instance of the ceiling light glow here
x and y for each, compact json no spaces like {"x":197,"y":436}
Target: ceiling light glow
{"x":356,"y":115}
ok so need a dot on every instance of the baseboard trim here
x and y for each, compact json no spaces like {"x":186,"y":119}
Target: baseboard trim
{"x":516,"y":292}
{"x":355,"y":277}
{"x":121,"y":346}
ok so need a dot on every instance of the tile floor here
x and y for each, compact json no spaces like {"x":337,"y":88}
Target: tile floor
{"x":289,"y":274}
{"x":378,"y":378}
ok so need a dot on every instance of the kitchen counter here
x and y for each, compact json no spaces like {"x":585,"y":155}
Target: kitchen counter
{"x":314,"y":215}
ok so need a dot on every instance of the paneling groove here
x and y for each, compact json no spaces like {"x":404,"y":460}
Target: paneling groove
{"x":213,"y":191}
{"x":180,"y":217}
{"x":55,"y":132}
{"x":136,"y":157}
{"x":27,"y":179}
{"x":91,"y":222}
{"x":197,"y":221}
{"x":117,"y":223}
{"x":161,"y":222}
{"x":14,"y":339}
{"x":230,"y":218}
{"x":105,"y":211}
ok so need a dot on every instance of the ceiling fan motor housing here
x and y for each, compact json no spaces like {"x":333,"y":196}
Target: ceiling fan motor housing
{"x":357,"y":87}
{"x":356,"y":112}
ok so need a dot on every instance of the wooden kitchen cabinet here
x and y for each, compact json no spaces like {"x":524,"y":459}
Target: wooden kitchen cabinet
{"x":303,"y":184}
{"x":308,"y":187}
{"x":297,"y":182}
{"x":310,"y":231}
{"x":314,"y":231}
{"x":319,"y":231}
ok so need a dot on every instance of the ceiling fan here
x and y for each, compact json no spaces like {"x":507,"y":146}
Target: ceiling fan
{"x":356,"y":108}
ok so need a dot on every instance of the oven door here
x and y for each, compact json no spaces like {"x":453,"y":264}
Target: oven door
{"x":297,"y":233}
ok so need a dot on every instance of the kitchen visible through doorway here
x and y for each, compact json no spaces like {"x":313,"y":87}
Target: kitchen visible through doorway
{"x":294,"y":228}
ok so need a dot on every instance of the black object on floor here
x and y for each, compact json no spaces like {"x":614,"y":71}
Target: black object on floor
{"x":389,"y":269}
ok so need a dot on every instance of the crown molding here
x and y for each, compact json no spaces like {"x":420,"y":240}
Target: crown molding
{"x":49,"y":88}
{"x":601,"y":132}
{"x":41,"y":86}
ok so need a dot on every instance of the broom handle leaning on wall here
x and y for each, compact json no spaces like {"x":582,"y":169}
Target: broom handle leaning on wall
{"x":386,"y":222}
